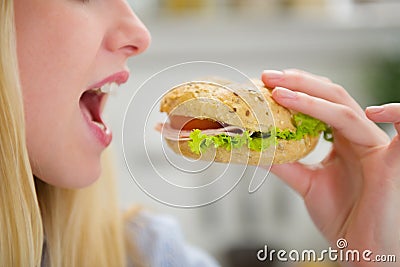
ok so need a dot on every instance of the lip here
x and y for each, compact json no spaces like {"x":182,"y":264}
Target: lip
{"x":119,"y":78}
{"x":103,"y":136}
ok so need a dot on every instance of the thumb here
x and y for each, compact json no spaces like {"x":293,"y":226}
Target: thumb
{"x":296,"y":175}
{"x":393,"y":157}
{"x":389,"y":113}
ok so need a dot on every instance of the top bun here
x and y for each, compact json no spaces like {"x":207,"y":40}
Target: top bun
{"x":245,"y":105}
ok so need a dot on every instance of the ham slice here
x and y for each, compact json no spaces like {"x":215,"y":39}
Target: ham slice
{"x":173,"y":134}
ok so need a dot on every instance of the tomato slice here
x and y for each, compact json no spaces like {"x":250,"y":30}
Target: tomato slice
{"x":190,"y":123}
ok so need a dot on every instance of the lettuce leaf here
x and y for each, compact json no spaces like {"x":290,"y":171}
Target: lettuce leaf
{"x":305,"y":125}
{"x":200,"y":142}
{"x":261,"y":144}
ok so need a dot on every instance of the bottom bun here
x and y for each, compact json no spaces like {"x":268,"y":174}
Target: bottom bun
{"x":285,"y":152}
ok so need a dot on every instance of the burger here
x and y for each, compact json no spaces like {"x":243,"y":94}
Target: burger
{"x":225,"y":122}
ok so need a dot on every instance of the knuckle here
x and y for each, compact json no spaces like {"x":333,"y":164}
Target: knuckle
{"x":308,"y":100}
{"x":393,"y":109}
{"x":349,"y":114}
{"x":339,"y":91}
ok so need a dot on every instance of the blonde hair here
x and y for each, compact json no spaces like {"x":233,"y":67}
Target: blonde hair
{"x":20,"y":223}
{"x":80,"y":227}
{"x":83,"y":227}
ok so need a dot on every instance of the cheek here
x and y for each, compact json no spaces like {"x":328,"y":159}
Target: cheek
{"x":56,"y":147}
{"x":58,"y":50}
{"x":54,"y":71}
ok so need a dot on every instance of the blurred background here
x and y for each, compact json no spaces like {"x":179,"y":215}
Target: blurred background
{"x":356,"y":43}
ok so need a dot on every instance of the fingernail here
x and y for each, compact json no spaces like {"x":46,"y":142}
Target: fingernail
{"x":375,"y":109}
{"x":273,"y":74}
{"x":285,"y":93}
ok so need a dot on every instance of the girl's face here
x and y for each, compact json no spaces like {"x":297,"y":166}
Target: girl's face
{"x":66,"y":49}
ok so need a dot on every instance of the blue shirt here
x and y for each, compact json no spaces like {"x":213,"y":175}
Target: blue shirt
{"x":161,"y":242}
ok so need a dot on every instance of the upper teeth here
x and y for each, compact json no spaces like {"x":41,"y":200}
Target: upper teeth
{"x":109,"y":87}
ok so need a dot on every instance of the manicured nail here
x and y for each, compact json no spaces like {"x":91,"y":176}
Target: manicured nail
{"x":285,"y":93}
{"x":375,"y":109}
{"x":273,"y":74}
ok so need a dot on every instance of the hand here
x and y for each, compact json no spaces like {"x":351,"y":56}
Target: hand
{"x":354,"y":193}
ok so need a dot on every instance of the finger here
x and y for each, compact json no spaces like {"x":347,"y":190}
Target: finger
{"x":296,"y":175}
{"x":312,"y":85}
{"x":389,"y":113}
{"x":322,"y":78}
{"x":342,"y":118}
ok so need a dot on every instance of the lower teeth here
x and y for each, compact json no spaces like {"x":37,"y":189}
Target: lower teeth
{"x":100,"y":125}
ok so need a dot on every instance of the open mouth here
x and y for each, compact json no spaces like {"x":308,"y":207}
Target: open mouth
{"x":92,"y":103}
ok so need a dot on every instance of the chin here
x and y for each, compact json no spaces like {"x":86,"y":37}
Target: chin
{"x":84,"y":178}
{"x":71,"y":178}
{"x":83,"y":181}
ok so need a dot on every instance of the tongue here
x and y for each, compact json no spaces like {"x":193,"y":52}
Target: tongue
{"x":90,"y":106}
{"x":85,"y":111}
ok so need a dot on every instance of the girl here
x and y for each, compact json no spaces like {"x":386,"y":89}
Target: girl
{"x":55,"y":210}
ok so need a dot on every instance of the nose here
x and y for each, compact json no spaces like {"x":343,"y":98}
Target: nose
{"x":128,"y":35}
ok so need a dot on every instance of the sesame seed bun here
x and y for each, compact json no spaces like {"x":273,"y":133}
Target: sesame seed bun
{"x":249,"y":106}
